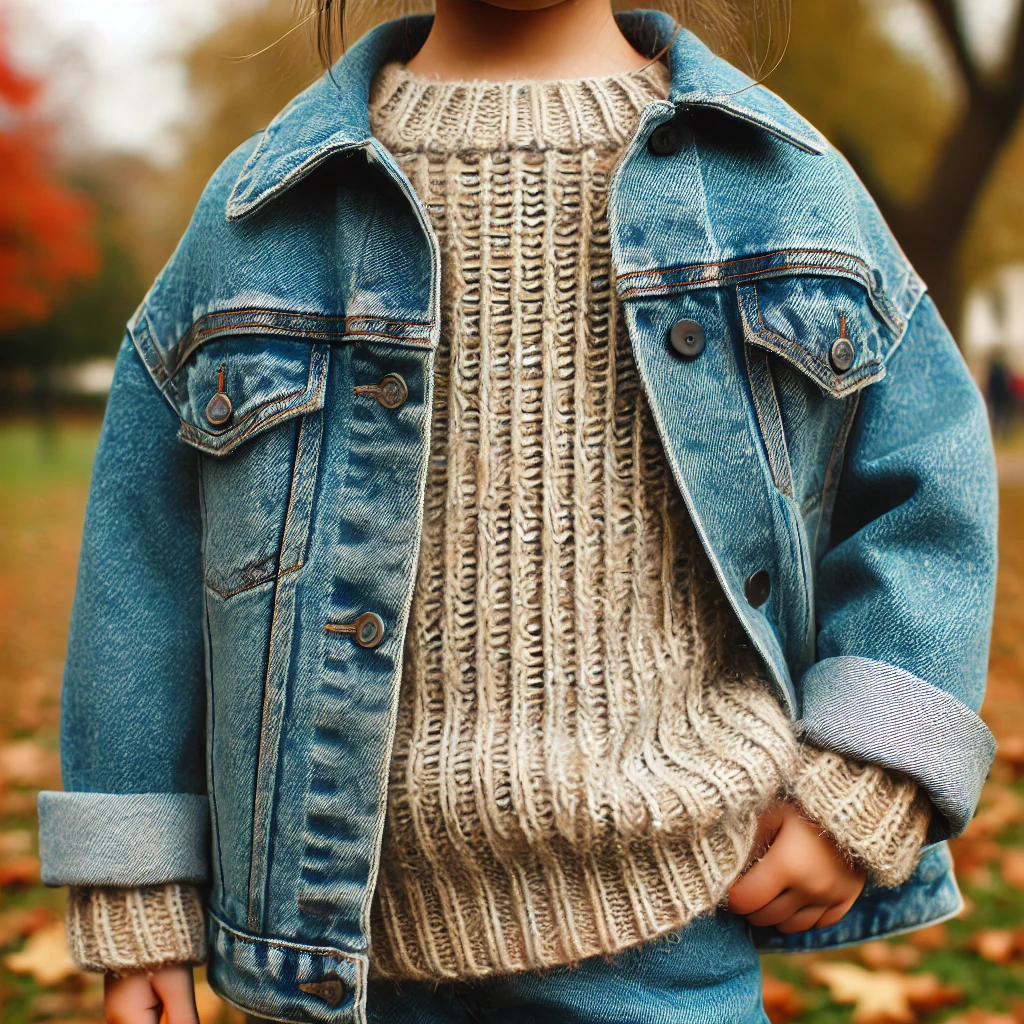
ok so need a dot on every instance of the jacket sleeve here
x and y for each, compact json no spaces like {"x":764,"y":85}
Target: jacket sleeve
{"x":905,"y":593}
{"x":134,"y":811}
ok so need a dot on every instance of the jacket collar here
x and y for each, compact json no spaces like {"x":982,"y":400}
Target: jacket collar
{"x":332,"y":114}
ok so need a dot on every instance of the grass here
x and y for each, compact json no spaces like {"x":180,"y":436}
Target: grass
{"x":43,"y":485}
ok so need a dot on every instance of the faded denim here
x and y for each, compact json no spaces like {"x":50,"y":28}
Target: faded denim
{"x":214,"y":729}
{"x":706,"y":972}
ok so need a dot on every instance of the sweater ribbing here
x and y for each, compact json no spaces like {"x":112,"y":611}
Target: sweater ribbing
{"x":584,"y":736}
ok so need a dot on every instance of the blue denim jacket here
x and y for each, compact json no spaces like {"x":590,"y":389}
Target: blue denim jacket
{"x":253,"y":487}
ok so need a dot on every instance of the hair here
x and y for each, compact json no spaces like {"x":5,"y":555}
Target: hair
{"x":751,"y":33}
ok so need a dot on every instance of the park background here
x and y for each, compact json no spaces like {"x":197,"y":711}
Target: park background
{"x":113,"y":113}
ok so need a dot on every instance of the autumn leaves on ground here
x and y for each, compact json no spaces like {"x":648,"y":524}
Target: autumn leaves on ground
{"x":970,"y":970}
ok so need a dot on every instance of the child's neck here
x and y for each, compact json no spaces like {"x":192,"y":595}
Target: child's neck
{"x":473,"y":39}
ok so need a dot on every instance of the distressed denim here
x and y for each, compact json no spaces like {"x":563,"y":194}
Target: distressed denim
{"x":216,"y":724}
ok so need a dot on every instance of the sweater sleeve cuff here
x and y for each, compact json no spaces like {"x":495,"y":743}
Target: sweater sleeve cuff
{"x":124,"y":930}
{"x":877,"y":817}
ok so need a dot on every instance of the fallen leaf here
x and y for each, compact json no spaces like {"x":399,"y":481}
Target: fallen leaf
{"x":882,"y":956}
{"x":17,"y":803}
{"x":19,"y":871}
{"x":996,"y":945}
{"x":16,"y":924}
{"x":1010,"y":752}
{"x":782,"y":1001}
{"x":27,"y":764}
{"x":15,"y":842}
{"x":933,"y":937}
{"x":998,"y":808}
{"x":45,"y":956}
{"x":882,"y":997}
{"x":982,"y":1017}
{"x":971,"y":853}
{"x":48,"y":1005}
{"x":1013,"y":868}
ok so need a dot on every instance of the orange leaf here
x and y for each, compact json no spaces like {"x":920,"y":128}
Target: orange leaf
{"x":19,"y":871}
{"x":933,"y":937}
{"x":994,"y":944}
{"x":881,"y":956}
{"x":782,"y":1002}
{"x":982,"y":1017}
{"x":1013,"y":868}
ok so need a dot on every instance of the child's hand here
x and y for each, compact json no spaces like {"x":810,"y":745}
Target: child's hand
{"x":141,"y":998}
{"x":802,"y":881}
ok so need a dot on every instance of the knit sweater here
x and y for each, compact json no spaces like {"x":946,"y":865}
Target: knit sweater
{"x":585,"y":737}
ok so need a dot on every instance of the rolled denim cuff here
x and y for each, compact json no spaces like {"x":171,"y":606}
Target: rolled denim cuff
{"x":884,"y":715}
{"x":123,"y":839}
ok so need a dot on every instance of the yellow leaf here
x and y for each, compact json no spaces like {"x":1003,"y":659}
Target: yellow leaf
{"x":45,"y":956}
{"x":882,"y":997}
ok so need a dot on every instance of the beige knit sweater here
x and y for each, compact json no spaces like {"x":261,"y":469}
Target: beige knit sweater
{"x":585,"y":738}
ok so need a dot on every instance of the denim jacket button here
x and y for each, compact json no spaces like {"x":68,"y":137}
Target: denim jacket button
{"x":392,"y":391}
{"x":686,"y":339}
{"x":666,"y":139}
{"x":369,"y":630}
{"x":219,"y":409}
{"x":758,"y":587}
{"x":331,"y":989}
{"x":841,"y":355}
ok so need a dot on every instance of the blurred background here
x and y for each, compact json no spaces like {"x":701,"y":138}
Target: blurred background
{"x":113,"y":114}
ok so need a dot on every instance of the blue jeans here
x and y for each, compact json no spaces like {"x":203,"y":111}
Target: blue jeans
{"x":707,"y":972}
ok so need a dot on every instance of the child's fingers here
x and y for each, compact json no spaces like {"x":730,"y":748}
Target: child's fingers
{"x":130,"y":1000}
{"x":837,"y":912}
{"x":176,"y":990}
{"x":782,"y":908}
{"x":802,"y":920}
{"x":757,"y":888}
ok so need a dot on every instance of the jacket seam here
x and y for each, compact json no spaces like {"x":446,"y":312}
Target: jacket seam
{"x":678,"y":268}
{"x":277,"y":574}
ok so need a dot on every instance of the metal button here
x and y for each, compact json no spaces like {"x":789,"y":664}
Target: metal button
{"x":758,"y":587}
{"x":841,"y":355}
{"x":219,"y":409}
{"x":687,"y":339}
{"x":367,"y":630}
{"x":331,"y":989}
{"x":391,"y":392}
{"x":666,"y":139}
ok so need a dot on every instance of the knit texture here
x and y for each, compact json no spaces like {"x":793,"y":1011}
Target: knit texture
{"x":879,"y":818}
{"x":584,"y":736}
{"x":120,"y":930}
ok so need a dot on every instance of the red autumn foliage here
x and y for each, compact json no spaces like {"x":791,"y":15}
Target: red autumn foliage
{"x":46,"y":236}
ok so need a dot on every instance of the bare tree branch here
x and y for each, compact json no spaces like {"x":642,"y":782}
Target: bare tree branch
{"x":1015,"y":61}
{"x":948,"y":17}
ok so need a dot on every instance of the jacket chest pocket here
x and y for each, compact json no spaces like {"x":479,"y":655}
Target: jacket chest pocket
{"x":811,"y":344}
{"x":252,"y":408}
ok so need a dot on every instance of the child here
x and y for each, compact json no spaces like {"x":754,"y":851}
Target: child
{"x":541,"y":548}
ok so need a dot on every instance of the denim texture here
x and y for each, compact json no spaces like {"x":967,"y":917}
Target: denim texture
{"x":203,"y":689}
{"x":706,"y":972}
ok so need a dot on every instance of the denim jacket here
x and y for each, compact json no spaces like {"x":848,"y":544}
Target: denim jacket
{"x":260,"y":478}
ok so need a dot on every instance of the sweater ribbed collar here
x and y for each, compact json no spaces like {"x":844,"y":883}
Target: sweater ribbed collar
{"x":414,"y":113}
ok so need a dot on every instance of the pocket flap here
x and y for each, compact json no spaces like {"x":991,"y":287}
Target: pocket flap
{"x":802,"y":319}
{"x":234,"y":388}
